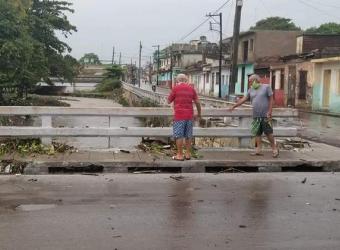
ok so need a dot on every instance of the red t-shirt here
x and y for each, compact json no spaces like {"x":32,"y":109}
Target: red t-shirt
{"x":183,"y":95}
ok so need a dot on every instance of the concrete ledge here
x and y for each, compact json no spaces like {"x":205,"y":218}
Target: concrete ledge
{"x":193,"y":166}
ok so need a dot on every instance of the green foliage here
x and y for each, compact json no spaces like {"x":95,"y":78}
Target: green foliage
{"x":115,"y":72}
{"x":33,"y":100}
{"x":29,"y":47}
{"x":90,"y":59}
{"x":325,"y":29}
{"x":32,"y":146}
{"x":275,"y":23}
{"x":108,"y":85}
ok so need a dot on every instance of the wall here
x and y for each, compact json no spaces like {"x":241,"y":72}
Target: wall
{"x":189,"y":59}
{"x":312,"y":42}
{"x":273,"y":43}
{"x":318,"y":86}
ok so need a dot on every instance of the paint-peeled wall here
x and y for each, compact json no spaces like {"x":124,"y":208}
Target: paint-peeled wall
{"x":324,"y":99}
{"x":249,"y":70}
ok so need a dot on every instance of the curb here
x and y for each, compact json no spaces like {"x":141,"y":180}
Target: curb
{"x":199,"y":166}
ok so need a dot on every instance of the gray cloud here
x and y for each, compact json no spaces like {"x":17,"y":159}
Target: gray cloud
{"x":104,"y":23}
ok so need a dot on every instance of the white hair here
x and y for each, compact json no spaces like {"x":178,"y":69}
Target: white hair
{"x":254,"y":77}
{"x":182,"y":78}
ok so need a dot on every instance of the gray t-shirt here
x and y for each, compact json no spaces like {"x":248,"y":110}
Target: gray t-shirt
{"x":260,"y":100}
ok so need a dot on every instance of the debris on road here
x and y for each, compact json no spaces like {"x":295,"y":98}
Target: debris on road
{"x":90,"y":174}
{"x":304,"y":181}
{"x":177,"y":178}
{"x":125,"y":151}
{"x":242,"y":226}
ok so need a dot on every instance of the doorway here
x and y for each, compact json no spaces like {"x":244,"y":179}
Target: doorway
{"x":303,"y":85}
{"x":326,"y":88}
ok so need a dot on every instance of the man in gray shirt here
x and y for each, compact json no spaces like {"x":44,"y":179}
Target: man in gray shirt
{"x":261,"y":97}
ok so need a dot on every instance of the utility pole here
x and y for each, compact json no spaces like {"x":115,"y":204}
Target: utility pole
{"x":113,"y":55}
{"x":120,"y":58}
{"x":236,"y":38}
{"x":157,"y":46}
{"x":150,"y":70}
{"x":221,"y":51}
{"x":140,"y":64}
{"x":171,"y":68}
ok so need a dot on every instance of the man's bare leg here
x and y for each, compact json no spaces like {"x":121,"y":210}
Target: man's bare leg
{"x":258,"y":140}
{"x":271,"y":139}
{"x":179,"y":144}
{"x":188,"y":145}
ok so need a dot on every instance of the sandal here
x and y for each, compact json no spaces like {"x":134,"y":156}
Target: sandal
{"x":276,"y":153}
{"x":176,"y":159}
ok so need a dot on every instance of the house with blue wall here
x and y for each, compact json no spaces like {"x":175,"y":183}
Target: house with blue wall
{"x":326,"y":86}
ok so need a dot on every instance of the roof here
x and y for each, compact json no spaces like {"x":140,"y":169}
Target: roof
{"x":319,"y":35}
{"x":328,"y":59}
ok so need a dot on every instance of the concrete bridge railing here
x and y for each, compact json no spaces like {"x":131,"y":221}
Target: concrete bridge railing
{"x":47,"y":131}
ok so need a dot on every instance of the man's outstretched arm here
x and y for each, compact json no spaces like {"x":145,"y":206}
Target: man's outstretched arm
{"x":239,"y":103}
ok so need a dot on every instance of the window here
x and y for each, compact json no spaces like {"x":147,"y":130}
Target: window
{"x":223,"y":80}
{"x":212,"y":78}
{"x":217,"y":78}
{"x":251,"y":45}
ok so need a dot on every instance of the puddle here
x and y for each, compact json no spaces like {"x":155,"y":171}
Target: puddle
{"x":34,"y":207}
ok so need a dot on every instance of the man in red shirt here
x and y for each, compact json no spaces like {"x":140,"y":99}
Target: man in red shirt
{"x":184,"y":95}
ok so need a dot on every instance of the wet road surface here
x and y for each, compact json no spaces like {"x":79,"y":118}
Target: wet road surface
{"x":321,"y":128}
{"x":201,"y":211}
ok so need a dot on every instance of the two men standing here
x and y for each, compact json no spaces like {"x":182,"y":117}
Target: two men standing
{"x":184,"y":95}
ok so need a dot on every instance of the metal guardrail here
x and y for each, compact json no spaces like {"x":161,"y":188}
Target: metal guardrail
{"x":47,"y":130}
{"x":162,"y":98}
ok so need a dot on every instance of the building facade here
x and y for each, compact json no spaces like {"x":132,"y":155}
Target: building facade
{"x":326,"y":85}
{"x":256,"y":45}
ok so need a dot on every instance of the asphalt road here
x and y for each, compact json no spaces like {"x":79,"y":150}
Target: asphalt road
{"x":201,"y":211}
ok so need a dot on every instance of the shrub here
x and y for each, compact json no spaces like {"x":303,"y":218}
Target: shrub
{"x":108,"y":85}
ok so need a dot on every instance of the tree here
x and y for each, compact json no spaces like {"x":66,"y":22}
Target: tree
{"x":90,"y":59}
{"x":29,"y":48}
{"x":45,"y":18}
{"x":114,"y":72}
{"x":275,"y":23}
{"x":325,"y":29}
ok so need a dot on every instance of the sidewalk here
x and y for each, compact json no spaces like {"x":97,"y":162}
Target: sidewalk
{"x":320,"y":157}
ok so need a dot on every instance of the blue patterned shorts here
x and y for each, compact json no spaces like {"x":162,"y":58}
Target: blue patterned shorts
{"x":183,"y":129}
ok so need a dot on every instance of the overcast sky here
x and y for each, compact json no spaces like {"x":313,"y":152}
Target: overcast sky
{"x":123,"y":23}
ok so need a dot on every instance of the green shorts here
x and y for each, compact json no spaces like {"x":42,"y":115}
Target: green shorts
{"x":261,"y":125}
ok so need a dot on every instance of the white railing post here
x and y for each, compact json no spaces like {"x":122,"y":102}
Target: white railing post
{"x":46,"y":122}
{"x":245,"y":142}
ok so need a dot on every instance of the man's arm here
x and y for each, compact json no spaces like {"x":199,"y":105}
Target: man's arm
{"x":199,"y":108}
{"x":171,"y":97}
{"x":239,"y":103}
{"x":270,"y":110}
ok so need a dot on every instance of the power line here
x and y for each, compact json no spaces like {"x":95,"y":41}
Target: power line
{"x":316,"y":8}
{"x":204,"y":22}
{"x":326,"y":4}
{"x":264,"y":6}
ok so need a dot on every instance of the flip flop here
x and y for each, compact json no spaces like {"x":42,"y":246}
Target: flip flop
{"x":276,"y":154}
{"x":176,"y":159}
